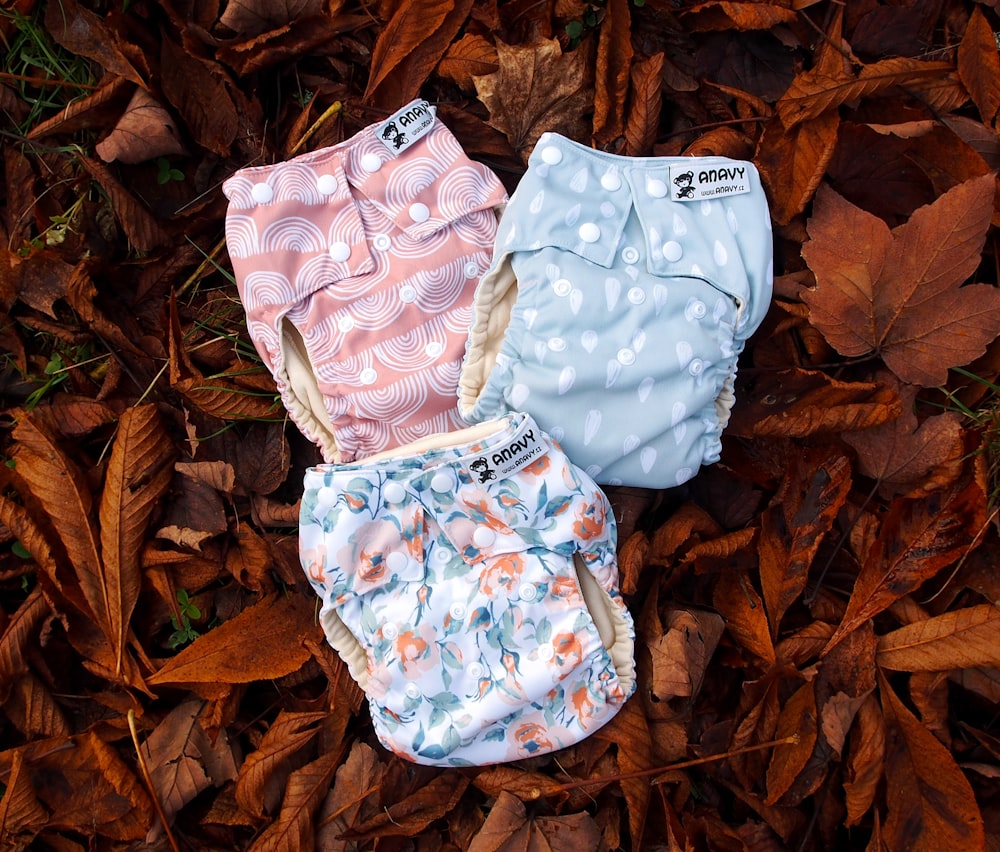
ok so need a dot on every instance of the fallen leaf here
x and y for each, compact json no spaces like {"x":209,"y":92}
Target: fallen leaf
{"x":250,"y":18}
{"x":864,"y":761}
{"x":261,"y":643}
{"x":681,"y":655}
{"x":537,"y":88}
{"x":21,"y":814}
{"x":508,"y":829}
{"x":957,"y":639}
{"x":411,"y":814}
{"x":979,"y":65}
{"x":644,"y":113}
{"x":897,"y":293}
{"x":470,"y":57}
{"x":145,"y":131}
{"x":746,"y":618}
{"x":910,"y":458}
{"x":184,"y":761}
{"x":797,"y":719}
{"x":351,"y":798}
{"x":917,"y":539}
{"x":409,"y":47}
{"x":929,"y":801}
{"x":614,"y":60}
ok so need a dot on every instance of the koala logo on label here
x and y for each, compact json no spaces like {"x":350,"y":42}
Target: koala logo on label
{"x":482,"y":467}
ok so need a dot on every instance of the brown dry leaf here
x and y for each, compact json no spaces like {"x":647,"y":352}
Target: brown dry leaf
{"x":409,"y":815}
{"x":929,"y":801}
{"x":746,"y":618}
{"x":73,"y":416}
{"x":21,"y":814}
{"x":979,"y":65}
{"x":471,"y":56}
{"x":736,"y":15}
{"x":537,"y":88}
{"x":907,"y":458}
{"x":865,"y":759}
{"x":183,"y":760}
{"x":957,"y":639}
{"x":143,"y":230}
{"x":801,"y":514}
{"x":681,"y":655}
{"x":248,"y":18}
{"x":83,"y":32}
{"x":294,"y":829}
{"x":409,"y":46}
{"x":137,"y":477}
{"x":630,"y":731}
{"x":264,"y":773}
{"x":796,"y":403}
{"x":144,"y":132}
{"x":218,"y":475}
{"x":199,"y":90}
{"x":20,"y":633}
{"x":508,"y":829}
{"x":898,"y":293}
{"x":614,"y":61}
{"x":798,"y":719}
{"x":350,"y":799}
{"x":261,"y":643}
{"x":88,"y":788}
{"x":528,"y":786}
{"x":194,"y":515}
{"x":643,"y":121}
{"x":916,"y":540}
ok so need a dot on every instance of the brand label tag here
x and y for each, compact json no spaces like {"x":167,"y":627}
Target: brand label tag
{"x":405,"y":126}
{"x":698,"y":183}
{"x":503,"y":459}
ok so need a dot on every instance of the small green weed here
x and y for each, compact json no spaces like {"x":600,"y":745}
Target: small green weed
{"x":986,"y":416}
{"x":184,"y":632}
{"x":167,"y":172}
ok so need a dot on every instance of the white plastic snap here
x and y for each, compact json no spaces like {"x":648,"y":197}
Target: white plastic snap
{"x":630,"y":254}
{"x":396,"y":561}
{"x":556,"y":344}
{"x":636,"y":295}
{"x":562,"y":287}
{"x":457,"y":610}
{"x":483,"y":537}
{"x":394,"y":492}
{"x":345,"y":324}
{"x":326,"y":184}
{"x":382,"y":242}
{"x":340,"y":251}
{"x":611,"y":181}
{"x":551,"y":155}
{"x":626,"y":356}
{"x":441,"y":482}
{"x":390,"y":631}
{"x":433,"y":349}
{"x":420,"y":212}
{"x":412,"y":690}
{"x":672,"y":251}
{"x":407,"y":293}
{"x":527,"y":592}
{"x":546,"y":652}
{"x":476,"y":670}
{"x":262,"y":193}
{"x":590,"y":232}
{"x":656,"y":188}
{"x":471,"y":270}
{"x":371,"y":162}
{"x":367,"y":376}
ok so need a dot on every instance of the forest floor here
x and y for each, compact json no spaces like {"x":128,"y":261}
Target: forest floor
{"x":817,"y":621}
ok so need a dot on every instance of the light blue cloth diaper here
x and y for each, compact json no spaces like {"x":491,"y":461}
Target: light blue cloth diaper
{"x":470,"y":582}
{"x":620,"y":294}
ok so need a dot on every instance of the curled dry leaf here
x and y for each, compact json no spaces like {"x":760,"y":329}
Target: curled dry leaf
{"x":144,"y":132}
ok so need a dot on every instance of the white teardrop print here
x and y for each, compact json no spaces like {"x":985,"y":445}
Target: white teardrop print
{"x":647,"y":458}
{"x":589,"y":340}
{"x":614,"y":369}
{"x":591,"y":424}
{"x":660,"y":295}
{"x":518,"y":396}
{"x":537,"y":202}
{"x":731,"y":220}
{"x":638,"y":340}
{"x":655,"y":243}
{"x":645,"y":388}
{"x":632,"y":272}
{"x":719,"y":254}
{"x":612,"y":290}
{"x":557,"y":433}
{"x":530,"y":315}
{"x":680,"y":430}
{"x":720,"y":309}
{"x":677,"y":413}
{"x":684,"y":353}
{"x":706,"y":208}
{"x":566,"y":379}
{"x":629,"y":444}
{"x":679,"y":225}
{"x":683,"y":475}
{"x":511,"y":236}
{"x":578,"y":183}
{"x":540,"y":350}
{"x":576,"y":300}
{"x":572,"y":215}
{"x":552,"y":272}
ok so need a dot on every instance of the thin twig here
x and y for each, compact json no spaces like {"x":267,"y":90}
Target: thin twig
{"x":148,"y":779}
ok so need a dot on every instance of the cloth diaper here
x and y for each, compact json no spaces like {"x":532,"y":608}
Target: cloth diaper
{"x":620,"y":294}
{"x":470,"y":583}
{"x":356,"y":265}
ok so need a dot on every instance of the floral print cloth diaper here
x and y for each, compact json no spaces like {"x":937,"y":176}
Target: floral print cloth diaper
{"x":621,"y":291}
{"x":470,"y":583}
{"x":356,"y":265}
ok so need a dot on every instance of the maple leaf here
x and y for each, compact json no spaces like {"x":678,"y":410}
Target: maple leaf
{"x":536,"y":88}
{"x":897,"y":293}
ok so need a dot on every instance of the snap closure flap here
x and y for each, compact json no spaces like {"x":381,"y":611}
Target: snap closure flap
{"x":429,"y":185}
{"x":306,"y":235}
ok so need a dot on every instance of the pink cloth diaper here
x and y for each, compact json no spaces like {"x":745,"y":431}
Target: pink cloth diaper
{"x":356,"y":265}
{"x":470,"y":582}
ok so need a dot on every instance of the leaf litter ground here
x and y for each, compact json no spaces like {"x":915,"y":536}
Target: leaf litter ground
{"x":818,"y":637}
